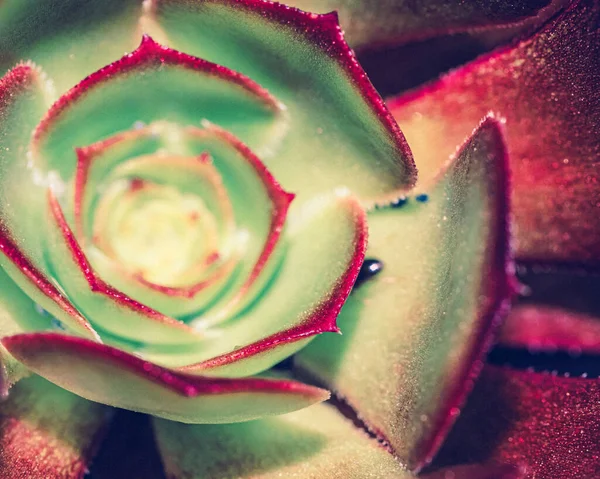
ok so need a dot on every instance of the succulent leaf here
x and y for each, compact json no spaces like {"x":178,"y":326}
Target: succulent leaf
{"x":105,"y":305}
{"x":156,"y":158}
{"x":413,"y":335}
{"x":545,"y":328}
{"x":111,"y":376}
{"x":150,"y":84}
{"x":47,"y":432}
{"x":325,"y":244}
{"x":340,"y":135}
{"x":314,"y":442}
{"x":548,"y":424}
{"x":18,"y":314}
{"x":61,"y":36}
{"x":546,"y":88}
{"x":23,"y":99}
{"x":375,"y":22}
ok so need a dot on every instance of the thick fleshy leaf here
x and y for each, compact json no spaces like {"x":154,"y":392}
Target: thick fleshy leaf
{"x":106,"y":306}
{"x":150,"y":84}
{"x":72,"y":38}
{"x":261,"y":220}
{"x":543,"y":328}
{"x":24,"y":96}
{"x":18,"y":314}
{"x":340,"y":134}
{"x":413,"y":335}
{"x":317,"y":442}
{"x":111,"y":376}
{"x":47,"y":432}
{"x":477,"y":471}
{"x":325,"y":244}
{"x":549,"y":424}
{"x":546,"y":88}
{"x":374,"y":22}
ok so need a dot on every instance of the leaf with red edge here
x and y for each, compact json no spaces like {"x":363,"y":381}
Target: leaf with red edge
{"x":414,"y":334}
{"x":24,"y":95}
{"x":325,"y":245}
{"x":152,"y":83}
{"x":48,"y":433}
{"x":106,"y":306}
{"x":549,"y":424}
{"x":546,"y":88}
{"x":111,"y":376}
{"x":70,"y":38}
{"x":369,"y":23}
{"x":130,"y":301}
{"x":544,"y":328}
{"x":18,"y":314}
{"x":317,"y":442}
{"x":339,"y":132}
{"x":158,"y":158}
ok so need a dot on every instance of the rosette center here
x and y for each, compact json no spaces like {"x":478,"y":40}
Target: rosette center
{"x":155,"y":231}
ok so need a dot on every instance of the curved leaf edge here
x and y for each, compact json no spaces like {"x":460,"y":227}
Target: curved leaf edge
{"x":96,"y":284}
{"x":322,"y":320}
{"x":12,"y":84}
{"x":501,"y":291}
{"x":324,"y":31}
{"x":182,"y":384}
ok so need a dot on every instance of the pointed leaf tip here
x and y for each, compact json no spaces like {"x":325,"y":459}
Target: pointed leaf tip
{"x":447,"y":280}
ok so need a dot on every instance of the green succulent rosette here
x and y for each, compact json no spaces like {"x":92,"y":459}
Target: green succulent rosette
{"x":187,"y":224}
{"x":179,"y":219}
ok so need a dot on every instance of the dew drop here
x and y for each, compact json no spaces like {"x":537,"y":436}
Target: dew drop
{"x":371,"y":267}
{"x":399,"y":203}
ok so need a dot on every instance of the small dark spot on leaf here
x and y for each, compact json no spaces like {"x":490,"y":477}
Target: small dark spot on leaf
{"x":371,"y":267}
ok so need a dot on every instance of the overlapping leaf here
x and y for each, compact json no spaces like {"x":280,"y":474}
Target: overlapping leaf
{"x":413,"y":335}
{"x":546,"y":87}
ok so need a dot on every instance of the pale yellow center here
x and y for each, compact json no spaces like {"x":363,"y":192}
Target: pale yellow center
{"x":155,"y":231}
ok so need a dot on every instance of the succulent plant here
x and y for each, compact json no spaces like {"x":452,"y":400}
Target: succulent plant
{"x":231,"y":191}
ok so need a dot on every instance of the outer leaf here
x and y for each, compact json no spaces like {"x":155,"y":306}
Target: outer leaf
{"x":549,"y":424}
{"x":152,"y":83}
{"x":546,"y":87}
{"x":317,"y":442}
{"x":23,"y":98}
{"x":340,"y":134}
{"x":326,"y":241}
{"x":111,"y":376}
{"x":542,"y":328}
{"x":72,"y":38}
{"x":47,"y":432}
{"x":368,"y":22}
{"x":413,"y":335}
{"x":44,"y":30}
{"x":477,"y":472}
